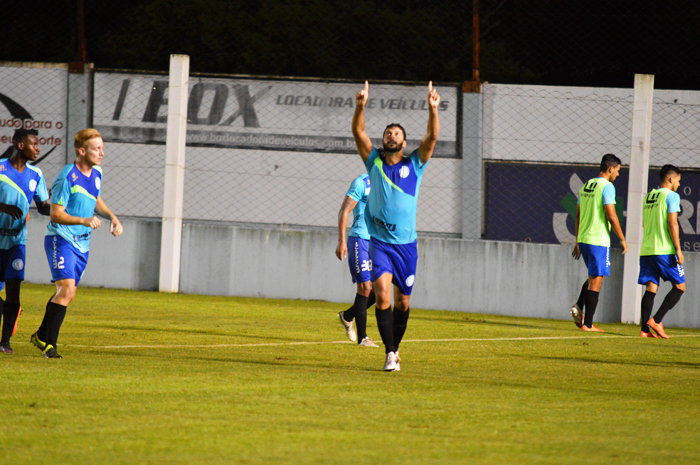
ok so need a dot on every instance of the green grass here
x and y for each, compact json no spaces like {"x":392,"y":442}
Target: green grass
{"x":151,"y":378}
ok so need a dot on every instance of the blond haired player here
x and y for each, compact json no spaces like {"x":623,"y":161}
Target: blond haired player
{"x":75,"y":198}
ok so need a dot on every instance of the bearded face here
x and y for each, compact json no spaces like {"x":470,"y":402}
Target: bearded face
{"x":393,"y":140}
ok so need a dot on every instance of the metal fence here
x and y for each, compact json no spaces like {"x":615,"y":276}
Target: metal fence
{"x":279,"y":152}
{"x":267,"y":151}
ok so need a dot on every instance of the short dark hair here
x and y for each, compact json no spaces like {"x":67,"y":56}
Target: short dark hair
{"x":609,"y":161}
{"x":22,"y":133}
{"x":395,"y":125}
{"x":666,"y":170}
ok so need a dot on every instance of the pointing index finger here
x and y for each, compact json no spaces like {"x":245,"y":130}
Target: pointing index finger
{"x":366,"y":86}
{"x":430,"y":86}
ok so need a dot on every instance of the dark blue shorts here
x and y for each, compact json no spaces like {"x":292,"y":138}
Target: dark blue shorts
{"x":358,"y":259}
{"x":399,"y":260}
{"x":12,"y":263}
{"x":64,"y":260}
{"x":653,"y":267}
{"x":596,"y":258}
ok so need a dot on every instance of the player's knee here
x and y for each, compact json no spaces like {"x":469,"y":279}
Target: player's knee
{"x":364,"y":288}
{"x":680,"y":287}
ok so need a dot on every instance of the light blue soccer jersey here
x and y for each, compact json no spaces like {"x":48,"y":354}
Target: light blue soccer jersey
{"x":18,"y":189}
{"x":391,"y":208}
{"x":359,"y":192}
{"x":78,"y":193}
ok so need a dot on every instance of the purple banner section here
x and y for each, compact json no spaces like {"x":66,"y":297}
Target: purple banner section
{"x":537,"y":202}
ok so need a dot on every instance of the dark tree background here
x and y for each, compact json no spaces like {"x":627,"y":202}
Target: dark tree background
{"x":554,"y":42}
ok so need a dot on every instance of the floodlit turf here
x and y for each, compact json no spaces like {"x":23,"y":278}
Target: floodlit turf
{"x":151,"y":378}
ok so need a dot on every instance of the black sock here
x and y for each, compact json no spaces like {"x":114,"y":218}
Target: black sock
{"x":56,"y":315}
{"x":591,"y":304}
{"x":385,"y":324}
{"x":43,"y":331}
{"x":647,"y":307}
{"x":581,"y":302}
{"x":349,"y":314}
{"x":9,"y":317}
{"x":400,"y":323}
{"x":371,"y":300}
{"x":671,"y":299}
{"x":360,"y":317}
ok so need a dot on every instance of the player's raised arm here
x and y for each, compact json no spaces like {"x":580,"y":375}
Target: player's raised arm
{"x":102,"y":210}
{"x":427,"y":145}
{"x":362,"y":140}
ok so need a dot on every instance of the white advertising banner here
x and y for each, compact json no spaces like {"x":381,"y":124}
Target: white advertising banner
{"x":286,"y":115}
{"x":33,"y":96}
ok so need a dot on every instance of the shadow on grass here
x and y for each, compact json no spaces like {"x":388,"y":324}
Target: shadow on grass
{"x":282,"y":362}
{"x":655,"y":364}
{"x":475,"y":321}
{"x":190,"y":332}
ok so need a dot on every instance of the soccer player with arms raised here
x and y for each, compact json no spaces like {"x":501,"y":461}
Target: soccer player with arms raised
{"x":391,"y":216}
{"x":20,"y":183}
{"x":661,"y":255}
{"x":595,"y":214}
{"x":76,"y":197}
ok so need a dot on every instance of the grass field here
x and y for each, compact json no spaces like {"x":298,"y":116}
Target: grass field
{"x":151,"y":378}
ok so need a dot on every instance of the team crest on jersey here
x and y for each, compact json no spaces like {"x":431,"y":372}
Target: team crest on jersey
{"x":409,"y":280}
{"x":32,"y":185}
{"x":75,"y":177}
{"x":2,"y":168}
{"x":18,"y":264}
{"x":404,"y":172}
{"x":98,"y":183}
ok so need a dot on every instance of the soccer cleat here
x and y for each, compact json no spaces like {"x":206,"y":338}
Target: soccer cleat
{"x":577,"y":315}
{"x":6,"y":349}
{"x":593,"y":328}
{"x":658,"y":328}
{"x":349,"y":327}
{"x":649,"y":334}
{"x":50,"y":352}
{"x":391,"y":361}
{"x":367,"y":342}
{"x":37,"y":342}
{"x":14,"y":330}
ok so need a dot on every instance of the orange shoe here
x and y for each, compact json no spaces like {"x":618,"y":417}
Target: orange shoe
{"x":649,"y":334}
{"x":14,"y":330}
{"x":593,"y":328}
{"x":658,"y":328}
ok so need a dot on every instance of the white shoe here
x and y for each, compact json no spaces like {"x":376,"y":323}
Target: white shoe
{"x":349,"y":327}
{"x":390,"y":364}
{"x":577,"y":315}
{"x":367,"y":342}
{"x":398,"y":359}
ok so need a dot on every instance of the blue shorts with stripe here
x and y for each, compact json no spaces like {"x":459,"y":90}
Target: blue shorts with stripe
{"x":399,"y":260}
{"x":65,"y":261}
{"x":12,"y":263}
{"x":653,"y":267}
{"x":358,"y":259}
{"x":596,"y":258}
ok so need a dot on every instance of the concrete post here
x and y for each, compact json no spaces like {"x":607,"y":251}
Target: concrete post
{"x":79,"y":106}
{"x":171,"y":235}
{"x":637,"y":189}
{"x":471,"y":211}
